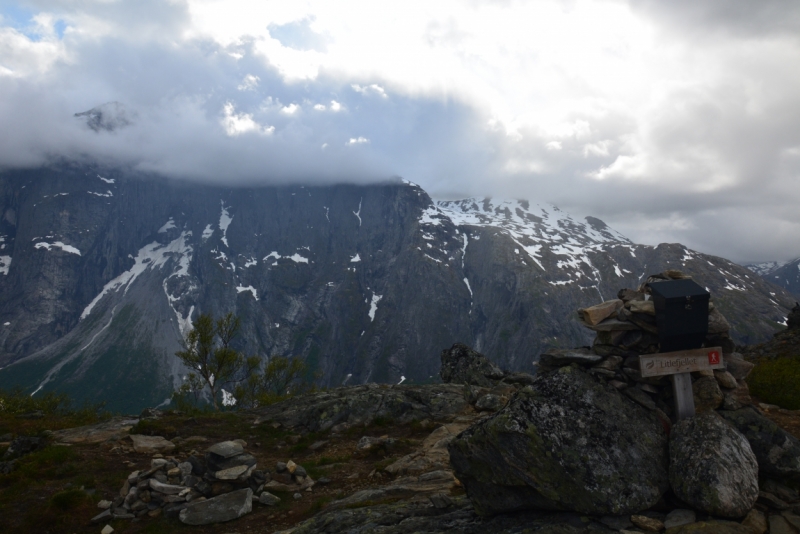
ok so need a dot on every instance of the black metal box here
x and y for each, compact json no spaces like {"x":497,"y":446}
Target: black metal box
{"x":681,"y":314}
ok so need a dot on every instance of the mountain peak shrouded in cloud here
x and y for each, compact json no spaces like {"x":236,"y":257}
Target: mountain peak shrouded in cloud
{"x":107,"y":117}
{"x":673,"y":121}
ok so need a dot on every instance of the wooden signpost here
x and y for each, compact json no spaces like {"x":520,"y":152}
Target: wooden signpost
{"x":679,"y":364}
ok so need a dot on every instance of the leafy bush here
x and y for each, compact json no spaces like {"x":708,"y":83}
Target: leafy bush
{"x":208,"y":350}
{"x":775,"y":381}
{"x":51,"y":411}
{"x":280,"y":379}
{"x":15,"y":402}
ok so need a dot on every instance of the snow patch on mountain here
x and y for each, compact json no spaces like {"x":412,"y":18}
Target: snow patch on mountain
{"x":149,"y":257}
{"x":251,"y":289}
{"x":373,"y":306}
{"x":297,"y":258}
{"x":358,"y":213}
{"x":58,"y":244}
{"x":224,"y":221}
{"x":169,"y":225}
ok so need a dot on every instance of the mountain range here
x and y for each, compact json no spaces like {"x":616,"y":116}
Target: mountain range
{"x":102,"y":270}
{"x":783,"y":274}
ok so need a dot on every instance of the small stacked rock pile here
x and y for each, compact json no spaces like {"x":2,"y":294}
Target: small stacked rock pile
{"x":215,"y":488}
{"x":626,"y":328}
{"x":289,"y":477}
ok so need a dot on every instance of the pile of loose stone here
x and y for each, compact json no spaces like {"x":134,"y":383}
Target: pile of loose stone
{"x":216,"y":487}
{"x":626,"y":328}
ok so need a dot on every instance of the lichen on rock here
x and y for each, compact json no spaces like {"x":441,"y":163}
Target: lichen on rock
{"x":567,"y":442}
{"x":712,"y":466}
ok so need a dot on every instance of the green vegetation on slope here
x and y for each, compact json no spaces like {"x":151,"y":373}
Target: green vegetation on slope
{"x":776,"y":381}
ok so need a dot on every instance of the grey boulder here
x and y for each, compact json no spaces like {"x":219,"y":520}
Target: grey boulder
{"x":712,"y":466}
{"x":777,"y":451}
{"x":567,"y":442}
{"x":462,"y":365}
{"x":219,"y":509}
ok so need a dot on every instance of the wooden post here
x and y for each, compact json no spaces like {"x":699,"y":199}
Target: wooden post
{"x":684,"y":398}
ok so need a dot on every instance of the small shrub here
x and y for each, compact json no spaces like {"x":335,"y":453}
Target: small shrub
{"x":775,"y":381}
{"x":85,"y":480}
{"x":150,"y":427}
{"x":69,"y":499}
{"x":319,"y":504}
{"x":382,"y":421}
{"x":386,"y":462}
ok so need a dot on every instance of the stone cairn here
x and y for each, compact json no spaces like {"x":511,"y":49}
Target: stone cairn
{"x":626,"y":328}
{"x":214,"y":488}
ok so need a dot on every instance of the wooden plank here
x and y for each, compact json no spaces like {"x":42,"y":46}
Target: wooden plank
{"x":684,"y":397}
{"x":682,"y":361}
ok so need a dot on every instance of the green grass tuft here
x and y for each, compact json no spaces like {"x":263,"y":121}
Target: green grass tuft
{"x":775,"y":381}
{"x":69,"y":499}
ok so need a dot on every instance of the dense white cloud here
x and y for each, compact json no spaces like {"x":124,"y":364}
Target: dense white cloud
{"x":673,"y":121}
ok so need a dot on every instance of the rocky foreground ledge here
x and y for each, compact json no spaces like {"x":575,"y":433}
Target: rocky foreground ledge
{"x":556,"y":441}
{"x":585,"y":446}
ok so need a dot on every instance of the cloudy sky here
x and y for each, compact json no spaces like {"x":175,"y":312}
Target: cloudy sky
{"x":672,"y":121}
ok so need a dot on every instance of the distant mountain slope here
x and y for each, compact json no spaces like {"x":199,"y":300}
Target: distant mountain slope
{"x":103,"y":271}
{"x":785,"y":275}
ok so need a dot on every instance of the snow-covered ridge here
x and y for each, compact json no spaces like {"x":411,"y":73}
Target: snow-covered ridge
{"x":530,"y":226}
{"x":541,"y":223}
{"x":766,"y":267}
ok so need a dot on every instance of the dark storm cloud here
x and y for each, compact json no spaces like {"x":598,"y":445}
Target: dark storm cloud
{"x":748,"y":18}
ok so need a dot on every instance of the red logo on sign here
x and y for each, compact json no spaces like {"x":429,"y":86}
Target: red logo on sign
{"x":713,"y":357}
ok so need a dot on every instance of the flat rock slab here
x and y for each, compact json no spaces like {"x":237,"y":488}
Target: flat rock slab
{"x":114,"y":429}
{"x":613,"y":325}
{"x":219,"y":509}
{"x":561,"y":357}
{"x":432,"y":454}
{"x":215,"y":463}
{"x":166,"y":489}
{"x":151,"y":444}
{"x":231,"y":474}
{"x":226,"y":449}
{"x":359,"y":405}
